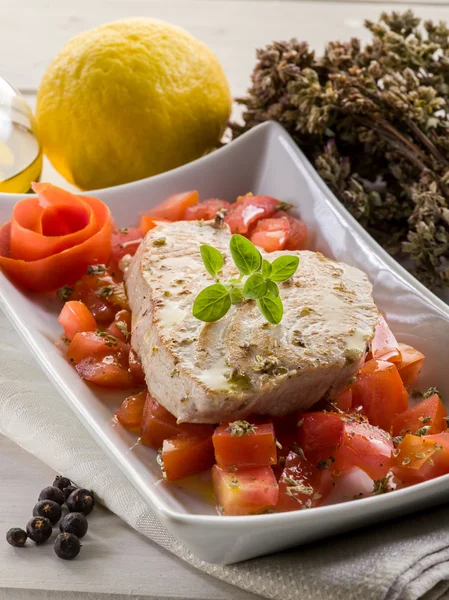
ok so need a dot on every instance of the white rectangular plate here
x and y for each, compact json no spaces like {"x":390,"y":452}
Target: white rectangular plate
{"x":266,"y":161}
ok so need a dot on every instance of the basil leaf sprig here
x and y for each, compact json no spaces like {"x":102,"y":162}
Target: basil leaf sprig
{"x":213,"y":302}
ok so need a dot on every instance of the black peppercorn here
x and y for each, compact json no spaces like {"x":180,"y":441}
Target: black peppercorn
{"x":74,"y":522}
{"x":39,"y":529}
{"x":61,"y":482}
{"x":52,"y":493}
{"x":81,"y":500}
{"x":67,"y":546}
{"x":49,"y":509}
{"x":16,"y":537}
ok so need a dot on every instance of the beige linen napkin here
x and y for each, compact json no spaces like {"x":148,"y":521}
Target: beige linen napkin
{"x":404,"y":560}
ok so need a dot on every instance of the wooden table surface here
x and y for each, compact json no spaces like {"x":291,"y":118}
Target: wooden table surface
{"x":118,"y":562}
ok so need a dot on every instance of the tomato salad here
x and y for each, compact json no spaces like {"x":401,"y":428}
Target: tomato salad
{"x":258,"y":464}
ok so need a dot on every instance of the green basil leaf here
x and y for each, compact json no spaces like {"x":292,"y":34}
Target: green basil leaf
{"x":212,"y":259}
{"x":271,"y":308}
{"x":246,"y":256}
{"x":272,"y":289}
{"x":212,"y":303}
{"x":266,"y":268}
{"x":284,"y":267}
{"x":255,"y":287}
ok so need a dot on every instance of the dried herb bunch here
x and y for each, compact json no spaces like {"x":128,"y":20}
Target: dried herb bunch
{"x":374,"y":122}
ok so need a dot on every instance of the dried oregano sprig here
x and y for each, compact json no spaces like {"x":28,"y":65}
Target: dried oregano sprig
{"x":374,"y":122}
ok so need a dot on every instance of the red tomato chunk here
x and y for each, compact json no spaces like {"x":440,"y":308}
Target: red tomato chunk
{"x":271,"y":234}
{"x":380,"y":391}
{"x":121,"y":326}
{"x":187,"y":454}
{"x":384,"y":345}
{"x":158,"y":425}
{"x":297,"y":237}
{"x":205,"y":210}
{"x":109,"y":371}
{"x":135,"y":366}
{"x":429,"y":413}
{"x":319,"y":435}
{"x":131,"y":411}
{"x":255,"y":447}
{"x":244,"y":491}
{"x":75,"y":317}
{"x":302,"y":485}
{"x":90,"y":343}
{"x":422,"y":458}
{"x":411,"y":364}
{"x":248,"y":210}
{"x":364,"y":446}
{"x":174,"y":207}
{"x":125,"y":241}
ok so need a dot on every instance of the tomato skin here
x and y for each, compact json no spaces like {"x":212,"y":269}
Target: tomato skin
{"x":271,"y":234}
{"x":297,"y":237}
{"x":319,"y":435}
{"x":206,"y":210}
{"x":121,"y":331}
{"x":135,"y":366}
{"x":245,"y":491}
{"x":384,"y":345}
{"x":186,"y":455}
{"x":102,"y":294}
{"x":248,"y":210}
{"x":317,"y":484}
{"x":344,"y":400}
{"x":147,"y":224}
{"x":249,"y":450}
{"x":108,"y":371}
{"x":379,"y":390}
{"x":89,"y":343}
{"x":131,"y":411}
{"x":174,"y":207}
{"x":125,"y":241}
{"x":366,"y":447}
{"x":411,"y":364}
{"x":422,"y":458}
{"x":76,"y":317}
{"x":409,"y":421}
{"x":158,"y":425}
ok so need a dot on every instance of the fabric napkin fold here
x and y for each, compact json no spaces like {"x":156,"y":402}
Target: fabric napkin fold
{"x":403,"y":560}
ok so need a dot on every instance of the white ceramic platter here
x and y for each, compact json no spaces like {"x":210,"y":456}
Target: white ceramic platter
{"x":266,"y":161}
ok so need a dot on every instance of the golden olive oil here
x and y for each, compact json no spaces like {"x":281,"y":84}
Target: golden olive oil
{"x":20,"y":151}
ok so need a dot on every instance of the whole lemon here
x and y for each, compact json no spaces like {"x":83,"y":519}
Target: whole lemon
{"x":130,"y":99}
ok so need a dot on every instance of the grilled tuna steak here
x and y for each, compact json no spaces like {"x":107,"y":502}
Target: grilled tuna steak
{"x":241,"y":365}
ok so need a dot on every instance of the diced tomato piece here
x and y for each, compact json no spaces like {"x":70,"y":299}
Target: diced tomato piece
{"x":430,"y":412}
{"x":131,"y":411}
{"x":205,"y":210}
{"x":421,"y":458}
{"x":76,"y":317}
{"x":125,"y":241}
{"x":256,"y":446}
{"x":302,"y":485}
{"x":297,"y":237}
{"x":364,"y":446}
{"x":89,"y":343}
{"x":121,"y":326}
{"x":379,"y":390}
{"x":102,"y":294}
{"x":158,"y":425}
{"x":271,"y":234}
{"x":135,"y":366}
{"x":319,"y":435}
{"x":245,"y":491}
{"x":147,"y":223}
{"x":109,"y":371}
{"x":248,"y":210}
{"x":384,"y":346}
{"x":187,"y":454}
{"x":174,"y":207}
{"x":344,"y":400}
{"x":411,"y":364}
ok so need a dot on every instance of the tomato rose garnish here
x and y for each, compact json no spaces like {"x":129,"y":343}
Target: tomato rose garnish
{"x":53,"y":237}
